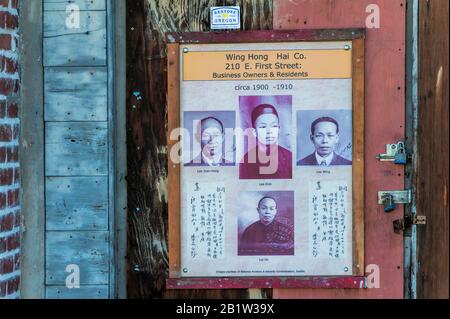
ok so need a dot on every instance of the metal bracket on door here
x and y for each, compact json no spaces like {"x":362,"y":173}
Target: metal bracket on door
{"x":391,"y":198}
{"x":395,"y":153}
{"x":405,"y":223}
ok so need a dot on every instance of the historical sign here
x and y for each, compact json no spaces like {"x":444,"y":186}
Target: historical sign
{"x":266,"y":172}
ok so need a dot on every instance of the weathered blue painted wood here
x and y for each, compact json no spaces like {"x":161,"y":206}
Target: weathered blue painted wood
{"x":84,"y":292}
{"x":73,"y":46}
{"x":61,"y":5}
{"x":114,"y":54}
{"x":76,"y":94}
{"x":76,"y":148}
{"x":78,"y":162}
{"x":411,"y":129}
{"x":76,"y":203}
{"x":86,"y":249}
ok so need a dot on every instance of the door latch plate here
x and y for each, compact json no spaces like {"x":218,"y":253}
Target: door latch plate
{"x":399,"y":197}
{"x":395,"y":153}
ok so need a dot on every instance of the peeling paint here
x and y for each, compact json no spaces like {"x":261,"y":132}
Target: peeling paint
{"x":439,"y":87}
{"x":162,"y":150}
{"x":161,"y":187}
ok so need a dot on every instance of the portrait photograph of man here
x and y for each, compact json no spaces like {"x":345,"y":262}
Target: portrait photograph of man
{"x":266,"y":223}
{"x":266,"y":121}
{"x":209,"y":146}
{"x":324,"y":138}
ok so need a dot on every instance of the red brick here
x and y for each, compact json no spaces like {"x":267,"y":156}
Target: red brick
{"x":15,"y":131}
{"x":9,"y":65}
{"x":10,"y":243}
{"x":13,"y":242}
{"x":9,"y":132}
{"x":2,"y":108}
{"x":16,"y":178}
{"x":12,"y":154}
{"x":2,"y":154}
{"x":3,"y":197}
{"x":9,"y":86}
{"x":16,"y":262}
{"x":7,"y":223}
{"x":14,"y":42}
{"x":8,"y":20}
{"x":2,"y":289}
{"x":17,"y":219}
{"x":13,"y":110}
{"x":5,"y":41}
{"x":5,"y":133}
{"x":6,"y":176}
{"x":13,"y":198}
{"x":12,"y":285}
{"x":7,"y":265}
{"x":2,"y":245}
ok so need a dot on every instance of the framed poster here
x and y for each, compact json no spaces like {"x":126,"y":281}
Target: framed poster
{"x":266,"y":159}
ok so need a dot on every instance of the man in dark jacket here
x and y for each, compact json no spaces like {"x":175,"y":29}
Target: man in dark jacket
{"x":325,"y":137}
{"x":267,"y":236}
{"x":268,"y":160}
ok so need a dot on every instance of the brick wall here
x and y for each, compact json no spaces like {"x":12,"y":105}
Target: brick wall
{"x":9,"y":146}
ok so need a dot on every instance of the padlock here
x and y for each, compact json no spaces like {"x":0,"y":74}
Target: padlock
{"x":389,"y":204}
{"x":395,"y":153}
{"x":401,"y":158}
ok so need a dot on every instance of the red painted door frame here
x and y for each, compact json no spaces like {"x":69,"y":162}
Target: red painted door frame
{"x":384,"y":124}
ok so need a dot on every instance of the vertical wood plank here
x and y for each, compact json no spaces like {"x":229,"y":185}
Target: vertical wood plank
{"x":147,"y":23}
{"x":79,"y":163}
{"x":358,"y":156}
{"x":32,"y":259}
{"x":173,"y":52}
{"x":432,"y":176}
{"x":118,"y":108}
{"x":384,"y":124}
{"x":114,"y":144}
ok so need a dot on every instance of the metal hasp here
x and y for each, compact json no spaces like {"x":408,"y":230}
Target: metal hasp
{"x":391,"y":198}
{"x":395,"y":153}
{"x":405,"y":223}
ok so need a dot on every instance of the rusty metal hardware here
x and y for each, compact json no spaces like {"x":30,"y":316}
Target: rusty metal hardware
{"x":390,"y":199}
{"x":408,"y":221}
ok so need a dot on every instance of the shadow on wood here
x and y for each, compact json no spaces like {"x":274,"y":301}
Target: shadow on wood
{"x":147,"y":23}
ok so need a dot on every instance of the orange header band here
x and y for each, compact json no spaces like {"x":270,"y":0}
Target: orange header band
{"x":266,"y":65}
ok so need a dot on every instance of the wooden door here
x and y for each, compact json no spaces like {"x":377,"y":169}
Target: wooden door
{"x":384,"y":124}
{"x":431,"y":177}
{"x":148,"y":21}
